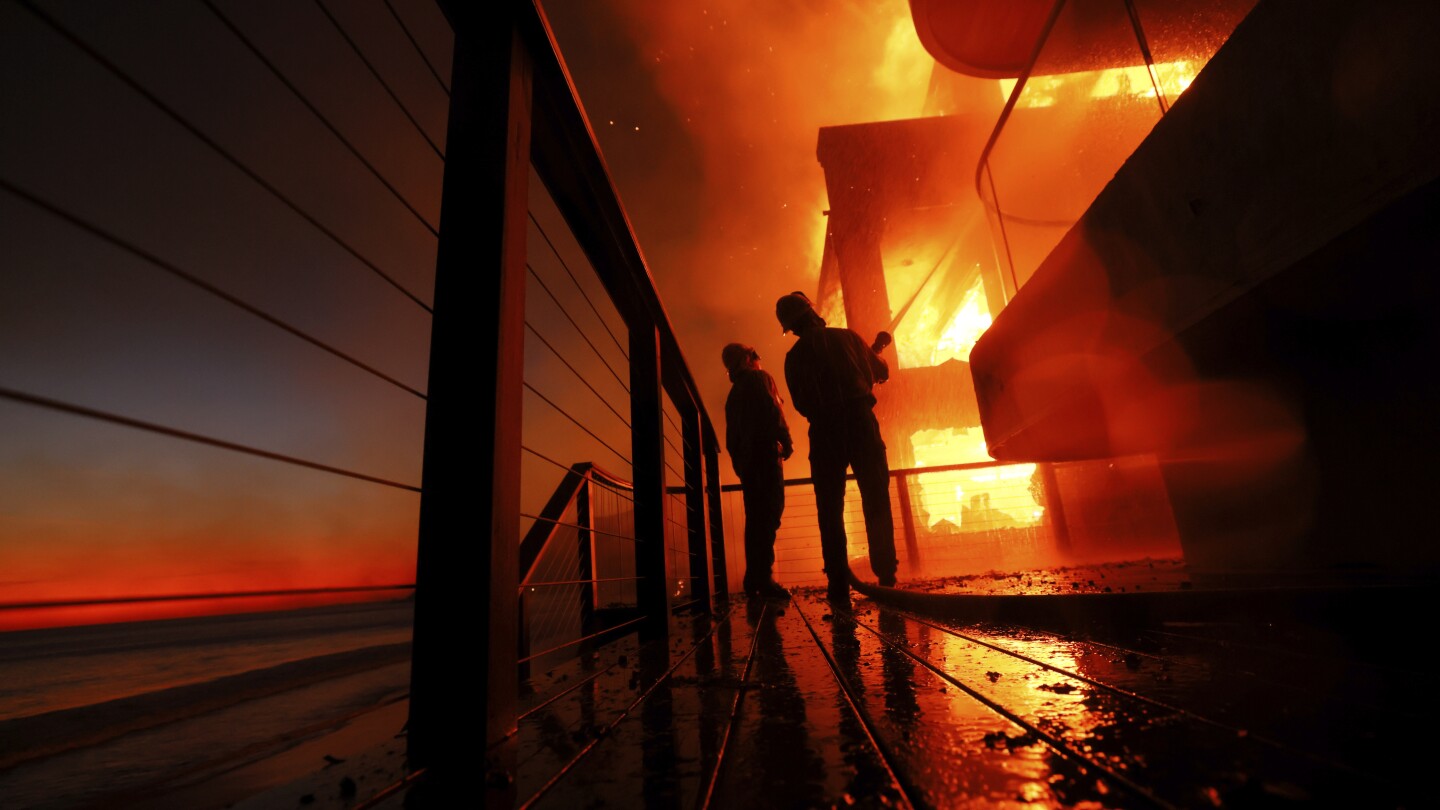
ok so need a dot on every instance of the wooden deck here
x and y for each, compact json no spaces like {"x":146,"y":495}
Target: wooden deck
{"x":1046,"y":691}
{"x":805,"y":704}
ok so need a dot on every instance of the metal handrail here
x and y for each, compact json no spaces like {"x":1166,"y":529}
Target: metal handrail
{"x":969,"y":465}
{"x":565,"y":495}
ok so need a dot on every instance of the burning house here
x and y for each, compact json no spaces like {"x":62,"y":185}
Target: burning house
{"x":1190,"y":323}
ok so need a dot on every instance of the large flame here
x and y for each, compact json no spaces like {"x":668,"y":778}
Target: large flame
{"x":1173,"y":79}
{"x":904,"y":74}
{"x":965,"y":329}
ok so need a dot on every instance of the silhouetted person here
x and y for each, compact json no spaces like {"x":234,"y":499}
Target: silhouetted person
{"x":758,"y":440}
{"x":830,"y":373}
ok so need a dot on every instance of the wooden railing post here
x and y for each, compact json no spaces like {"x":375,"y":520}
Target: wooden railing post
{"x":695,"y":504}
{"x":647,"y":447}
{"x":907,"y":522}
{"x":463,"y":671}
{"x":717,"y":517}
{"x":1055,"y":507}
{"x":585,"y":555}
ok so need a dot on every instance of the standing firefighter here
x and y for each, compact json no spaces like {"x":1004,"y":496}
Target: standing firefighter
{"x":830,"y":373}
{"x":758,"y":440}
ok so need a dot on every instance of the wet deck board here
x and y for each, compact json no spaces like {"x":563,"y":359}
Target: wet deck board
{"x":797,"y":742}
{"x":801,"y":704}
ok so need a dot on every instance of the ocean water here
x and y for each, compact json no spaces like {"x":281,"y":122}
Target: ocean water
{"x":114,"y":715}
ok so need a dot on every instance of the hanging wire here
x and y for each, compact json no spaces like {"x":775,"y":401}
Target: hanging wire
{"x":566,"y":313}
{"x":105,"y":416}
{"x":577,"y":423}
{"x":201,"y":284}
{"x":309,"y":105}
{"x":577,"y":374}
{"x":376,"y":73}
{"x":217,"y":148}
{"x":576,"y":281}
{"x":419,"y":50}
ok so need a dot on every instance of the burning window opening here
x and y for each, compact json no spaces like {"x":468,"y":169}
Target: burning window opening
{"x":954,"y":501}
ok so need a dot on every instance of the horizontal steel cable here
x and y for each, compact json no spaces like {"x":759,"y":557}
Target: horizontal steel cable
{"x":576,"y":422}
{"x":562,"y":693}
{"x":679,"y":431}
{"x":577,"y":374}
{"x":320,"y":116}
{"x":104,"y":416}
{"x":218,"y":149}
{"x":573,"y":642}
{"x":379,"y":78}
{"x":566,"y":468}
{"x":581,"y":528}
{"x":576,"y":281}
{"x":196,"y":281}
{"x":190,"y":597}
{"x":547,"y":583}
{"x":419,"y":50}
{"x":583,"y":336}
{"x":543,"y":457}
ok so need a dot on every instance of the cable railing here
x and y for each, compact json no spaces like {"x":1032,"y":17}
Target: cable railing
{"x":1102,"y":74}
{"x":180,"y":301}
{"x":968,"y":519}
{"x":554,"y":362}
{"x":577,"y":568}
{"x":215,"y":316}
{"x":406,"y":28}
{"x":305,"y":296}
{"x":86,"y":43}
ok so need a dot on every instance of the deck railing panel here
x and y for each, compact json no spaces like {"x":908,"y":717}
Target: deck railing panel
{"x":578,"y":215}
{"x":970,"y":519}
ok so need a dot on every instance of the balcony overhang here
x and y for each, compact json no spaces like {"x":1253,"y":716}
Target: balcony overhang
{"x":996,"y":39}
{"x":1226,"y":229}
